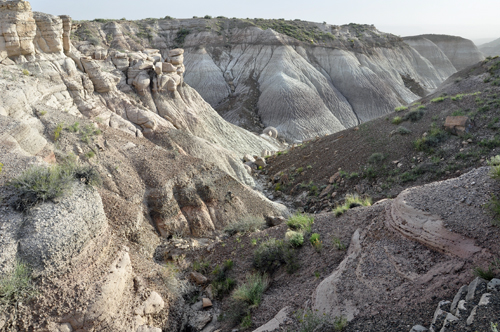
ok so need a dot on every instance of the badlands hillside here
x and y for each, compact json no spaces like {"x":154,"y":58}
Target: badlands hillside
{"x":305,"y":79}
{"x":128,"y":203}
{"x":491,"y":48}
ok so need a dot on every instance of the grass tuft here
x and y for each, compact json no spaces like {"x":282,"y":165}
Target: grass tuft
{"x":17,"y":286}
{"x":301,"y":222}
{"x":350,"y":202}
{"x":246,"y":225}
{"x":252,"y":290}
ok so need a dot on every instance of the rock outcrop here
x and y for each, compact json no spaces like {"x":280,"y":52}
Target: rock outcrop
{"x":382,"y":266}
{"x":257,"y":73}
{"x":171,"y":166}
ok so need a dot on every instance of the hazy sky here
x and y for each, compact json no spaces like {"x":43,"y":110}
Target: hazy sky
{"x":470,"y":19}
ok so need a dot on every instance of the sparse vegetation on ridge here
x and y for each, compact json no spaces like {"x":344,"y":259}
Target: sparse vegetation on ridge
{"x":40,"y":184}
{"x":247,"y":224}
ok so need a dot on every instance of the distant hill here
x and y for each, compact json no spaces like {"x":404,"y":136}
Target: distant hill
{"x":461,"y":52}
{"x":491,"y":48}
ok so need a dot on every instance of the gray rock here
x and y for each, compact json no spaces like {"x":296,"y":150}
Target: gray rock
{"x":418,"y":328}
{"x":199,"y":320}
{"x":54,"y":233}
{"x":459,"y":296}
{"x":475,"y":287}
{"x":261,"y":162}
{"x":493,"y":285}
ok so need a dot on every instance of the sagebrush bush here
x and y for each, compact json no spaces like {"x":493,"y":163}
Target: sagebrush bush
{"x":400,"y":108}
{"x":296,"y":239}
{"x":251,"y":291}
{"x":397,"y":120}
{"x":272,"y":254}
{"x":221,"y":283}
{"x":300,"y":222}
{"x":246,"y":225}
{"x":16,"y":286}
{"x":40,"y":184}
{"x":403,"y":130}
{"x":414,"y":115}
{"x":376,"y":158}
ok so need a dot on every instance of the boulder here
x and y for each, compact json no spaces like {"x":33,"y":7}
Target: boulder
{"x":177,"y":60}
{"x":261,"y":162}
{"x":458,"y":125}
{"x":168,"y":67}
{"x":175,"y":52}
{"x":198,"y":278}
{"x":271,"y":132}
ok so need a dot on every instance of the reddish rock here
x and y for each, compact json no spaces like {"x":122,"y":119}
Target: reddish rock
{"x":458,"y":125}
{"x":206,"y":303}
{"x":198,"y":278}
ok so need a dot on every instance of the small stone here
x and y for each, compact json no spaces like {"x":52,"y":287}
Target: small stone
{"x":493,"y":285}
{"x":206,"y":303}
{"x":418,"y":328}
{"x":198,"y":278}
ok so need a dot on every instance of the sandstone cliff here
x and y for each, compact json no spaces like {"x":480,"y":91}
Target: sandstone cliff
{"x":306,"y":79}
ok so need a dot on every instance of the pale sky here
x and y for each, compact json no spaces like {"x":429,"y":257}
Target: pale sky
{"x":474,"y":20}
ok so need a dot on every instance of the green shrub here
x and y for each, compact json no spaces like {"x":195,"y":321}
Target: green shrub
{"x":438,"y":99}
{"x":40,"y":184}
{"x":300,"y":170}
{"x":494,"y":162}
{"x":351,"y":201}
{"x":296,"y":239}
{"x":273,"y":253}
{"x":1,"y":167}
{"x":485,"y":274}
{"x":310,"y":321}
{"x":201,"y":266}
{"x":397,"y":120}
{"x":403,"y":130}
{"x":414,"y":115}
{"x":269,"y":255}
{"x":208,"y":17}
{"x":222,"y":284}
{"x":400,"y":108}
{"x":300,"y":222}
{"x":74,"y":128}
{"x":316,"y":242}
{"x":376,"y":158}
{"x":87,"y":132}
{"x":252,"y":290}
{"x":57,"y":131}
{"x":494,"y":207}
{"x":16,"y":286}
{"x":90,"y":154}
{"x":246,"y":225}
{"x":26,"y":72}
{"x":338,"y":244}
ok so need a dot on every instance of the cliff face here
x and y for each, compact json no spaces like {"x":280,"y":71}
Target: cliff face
{"x":304,"y":78}
{"x":460,"y":51}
